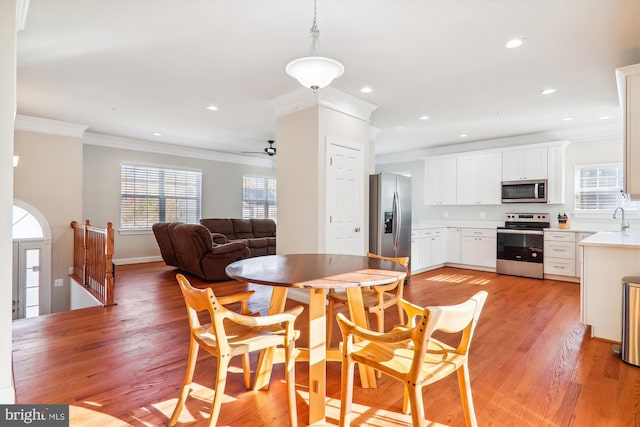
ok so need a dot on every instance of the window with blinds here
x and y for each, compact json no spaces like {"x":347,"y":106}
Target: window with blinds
{"x":598,"y":188}
{"x":258,"y":197}
{"x":152,"y":194}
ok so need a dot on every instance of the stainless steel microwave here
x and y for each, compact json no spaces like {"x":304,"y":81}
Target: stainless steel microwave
{"x":528,"y":191}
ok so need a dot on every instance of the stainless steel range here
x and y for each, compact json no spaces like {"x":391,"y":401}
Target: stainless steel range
{"x":521,"y":245}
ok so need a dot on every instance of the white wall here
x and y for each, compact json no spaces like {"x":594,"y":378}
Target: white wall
{"x":601,"y":150}
{"x":7,"y":116}
{"x":49,"y":178}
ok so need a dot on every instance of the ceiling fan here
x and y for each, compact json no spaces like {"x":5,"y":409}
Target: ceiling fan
{"x":269,"y":151}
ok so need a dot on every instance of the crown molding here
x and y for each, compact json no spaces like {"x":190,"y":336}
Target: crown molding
{"x":111,"y":141}
{"x":49,"y":126}
{"x":329,"y":97}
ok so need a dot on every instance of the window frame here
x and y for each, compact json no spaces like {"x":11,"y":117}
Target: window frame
{"x":268,"y":207}
{"x":621,"y":200}
{"x":189,"y":176}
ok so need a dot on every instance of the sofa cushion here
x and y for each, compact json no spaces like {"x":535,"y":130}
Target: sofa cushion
{"x":242,"y":228}
{"x":220,"y":225}
{"x":263,"y":227}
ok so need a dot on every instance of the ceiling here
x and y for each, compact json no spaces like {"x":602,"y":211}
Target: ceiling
{"x":138,"y":67}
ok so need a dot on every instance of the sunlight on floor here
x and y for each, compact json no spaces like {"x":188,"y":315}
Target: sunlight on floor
{"x":362,"y":415}
{"x":459,"y":278}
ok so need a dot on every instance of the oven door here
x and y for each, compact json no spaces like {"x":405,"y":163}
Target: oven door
{"x":520,"y":245}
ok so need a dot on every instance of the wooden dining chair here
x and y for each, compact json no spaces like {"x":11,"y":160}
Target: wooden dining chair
{"x":376,"y":298}
{"x":230,"y":334}
{"x":411,"y":354}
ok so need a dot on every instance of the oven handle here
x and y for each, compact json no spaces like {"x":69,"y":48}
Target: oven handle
{"x":534,"y":232}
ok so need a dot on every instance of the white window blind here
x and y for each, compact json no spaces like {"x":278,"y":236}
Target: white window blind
{"x":258,"y":197}
{"x":598,"y":188}
{"x":152,"y":194}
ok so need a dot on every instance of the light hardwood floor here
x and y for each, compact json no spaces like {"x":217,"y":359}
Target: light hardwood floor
{"x":532,"y":362}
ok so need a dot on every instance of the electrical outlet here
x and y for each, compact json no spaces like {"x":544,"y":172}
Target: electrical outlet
{"x":58,"y":283}
{"x":70,"y":271}
{"x":483,"y":214}
{"x":446,"y":214}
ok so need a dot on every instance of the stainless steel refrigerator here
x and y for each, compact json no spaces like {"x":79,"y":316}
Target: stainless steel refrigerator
{"x":390,"y":215}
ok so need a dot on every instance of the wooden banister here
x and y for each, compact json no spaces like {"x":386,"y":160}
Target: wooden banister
{"x":93,"y":260}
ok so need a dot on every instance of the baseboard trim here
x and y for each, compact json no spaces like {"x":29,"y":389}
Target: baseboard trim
{"x":139,"y":260}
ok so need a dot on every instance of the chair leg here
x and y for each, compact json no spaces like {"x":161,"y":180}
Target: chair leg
{"x":290,"y":378}
{"x":188,"y":378}
{"x":464,"y":382}
{"x":346,"y":392}
{"x":330,"y":320}
{"x":379,"y":313}
{"x":400,"y":314}
{"x":417,"y":406}
{"x":246,"y":370}
{"x":218,"y":395}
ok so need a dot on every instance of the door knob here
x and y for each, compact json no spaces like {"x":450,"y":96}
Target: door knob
{"x":357,"y":229}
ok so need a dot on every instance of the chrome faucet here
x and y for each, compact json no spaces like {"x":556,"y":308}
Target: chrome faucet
{"x":623,"y":226}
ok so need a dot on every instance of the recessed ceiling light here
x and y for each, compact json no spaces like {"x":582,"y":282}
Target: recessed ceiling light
{"x":463,"y":135}
{"x":567,"y":119}
{"x":157,"y":134}
{"x":366,"y":89}
{"x":425,"y":117}
{"x":513,"y":43}
{"x":548,"y":91}
{"x":604,"y":118}
{"x":212,"y":107}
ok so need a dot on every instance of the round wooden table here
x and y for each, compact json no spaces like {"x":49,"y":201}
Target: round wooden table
{"x":316,"y":272}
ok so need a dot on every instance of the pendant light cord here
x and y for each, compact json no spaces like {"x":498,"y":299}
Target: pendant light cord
{"x":314,"y":33}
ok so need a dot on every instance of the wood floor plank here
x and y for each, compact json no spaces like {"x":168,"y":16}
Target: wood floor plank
{"x":532,"y":362}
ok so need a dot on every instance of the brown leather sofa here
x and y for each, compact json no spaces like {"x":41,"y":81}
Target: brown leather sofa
{"x":190,"y":248}
{"x":258,"y":234}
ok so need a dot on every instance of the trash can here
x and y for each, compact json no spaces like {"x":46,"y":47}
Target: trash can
{"x":630,"y":348}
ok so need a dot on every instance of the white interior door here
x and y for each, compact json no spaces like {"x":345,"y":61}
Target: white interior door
{"x":345,"y":199}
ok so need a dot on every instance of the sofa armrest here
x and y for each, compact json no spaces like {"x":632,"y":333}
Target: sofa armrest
{"x":228,"y":247}
{"x":219,"y":238}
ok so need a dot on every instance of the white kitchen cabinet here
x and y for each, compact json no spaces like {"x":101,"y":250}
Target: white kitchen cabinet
{"x":478,"y":247}
{"x":416,"y":263}
{"x":555,"y":174}
{"x":431,"y":247}
{"x":478,"y":179}
{"x":524,"y":164}
{"x":628,"y":79}
{"x":440,"y":181}
{"x":560,"y":253}
{"x":452,"y":245}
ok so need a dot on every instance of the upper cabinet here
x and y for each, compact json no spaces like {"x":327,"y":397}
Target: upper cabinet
{"x":522,"y":164}
{"x":440,"y":181}
{"x":478,"y":179}
{"x":628,"y":79}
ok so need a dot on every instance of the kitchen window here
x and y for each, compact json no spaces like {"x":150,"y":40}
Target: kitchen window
{"x":598,"y":189}
{"x":258,"y":197}
{"x":154,"y":194}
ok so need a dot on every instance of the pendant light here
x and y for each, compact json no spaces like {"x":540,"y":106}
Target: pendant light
{"x":314,"y":71}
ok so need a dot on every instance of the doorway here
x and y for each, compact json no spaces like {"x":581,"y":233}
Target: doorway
{"x":31,"y":287}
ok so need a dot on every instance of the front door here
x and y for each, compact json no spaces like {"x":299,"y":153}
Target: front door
{"x":27,"y":277}
{"x":345,"y":199}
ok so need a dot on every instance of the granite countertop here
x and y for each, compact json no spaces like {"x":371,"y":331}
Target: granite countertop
{"x":626,"y":239}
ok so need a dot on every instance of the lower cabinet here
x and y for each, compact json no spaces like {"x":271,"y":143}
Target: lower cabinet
{"x":452,"y":245}
{"x":427,"y":248}
{"x":478,"y":247}
{"x":560,"y":253}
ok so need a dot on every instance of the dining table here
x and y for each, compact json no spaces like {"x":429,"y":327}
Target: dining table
{"x":316,"y":272}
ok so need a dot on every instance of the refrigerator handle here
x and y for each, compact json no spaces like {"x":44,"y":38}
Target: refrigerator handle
{"x":397,"y":221}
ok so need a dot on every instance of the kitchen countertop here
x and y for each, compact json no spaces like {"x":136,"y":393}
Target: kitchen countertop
{"x":627,"y":239}
{"x":461,"y":224}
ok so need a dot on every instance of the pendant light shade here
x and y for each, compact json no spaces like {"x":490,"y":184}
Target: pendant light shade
{"x":314,"y":71}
